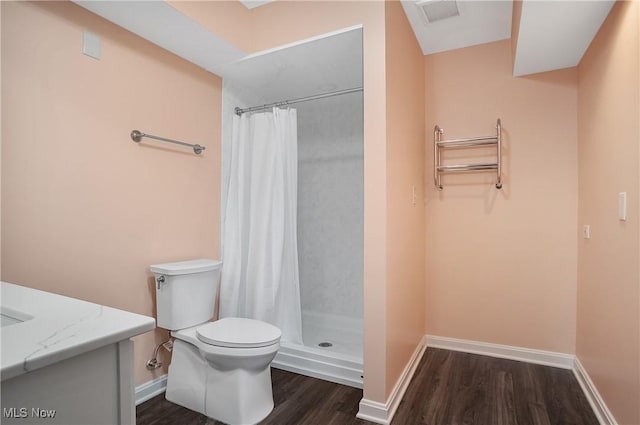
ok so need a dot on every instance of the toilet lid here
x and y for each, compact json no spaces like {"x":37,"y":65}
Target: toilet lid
{"x":239,"y":333}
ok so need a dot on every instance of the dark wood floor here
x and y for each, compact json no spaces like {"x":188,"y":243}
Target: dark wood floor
{"x":448,"y":388}
{"x":459,"y":388}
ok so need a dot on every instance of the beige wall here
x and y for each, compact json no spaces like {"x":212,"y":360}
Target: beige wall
{"x":501,"y":264}
{"x":86,"y":210}
{"x":608,"y":325}
{"x":405,"y":297}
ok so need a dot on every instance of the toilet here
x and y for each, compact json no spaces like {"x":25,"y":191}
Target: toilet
{"x":221,"y":368}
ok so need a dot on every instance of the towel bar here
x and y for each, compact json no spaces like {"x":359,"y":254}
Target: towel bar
{"x":439,"y":144}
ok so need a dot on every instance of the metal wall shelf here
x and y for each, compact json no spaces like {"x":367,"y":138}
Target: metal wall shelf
{"x":439,"y":144}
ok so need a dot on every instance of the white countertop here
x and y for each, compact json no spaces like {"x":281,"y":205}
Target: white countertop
{"x":61,"y":328}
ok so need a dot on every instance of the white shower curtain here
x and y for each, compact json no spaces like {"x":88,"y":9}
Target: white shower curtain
{"x":260,"y":277}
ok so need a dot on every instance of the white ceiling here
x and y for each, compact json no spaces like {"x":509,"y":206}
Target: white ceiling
{"x":323,"y":64}
{"x":479,"y":22}
{"x":552,"y":34}
{"x":556,"y":34}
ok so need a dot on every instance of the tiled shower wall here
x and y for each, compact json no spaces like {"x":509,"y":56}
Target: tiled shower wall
{"x":330,"y":205}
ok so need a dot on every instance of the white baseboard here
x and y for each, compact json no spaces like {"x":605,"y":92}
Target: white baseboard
{"x":374,"y":411}
{"x":547,"y":358}
{"x":150,"y":389}
{"x":600,"y":409}
{"x":380,"y":413}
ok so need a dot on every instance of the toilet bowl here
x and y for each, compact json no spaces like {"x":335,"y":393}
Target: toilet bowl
{"x":221,"y":368}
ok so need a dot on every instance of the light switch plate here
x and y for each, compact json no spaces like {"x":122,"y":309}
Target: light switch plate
{"x":622,"y":206}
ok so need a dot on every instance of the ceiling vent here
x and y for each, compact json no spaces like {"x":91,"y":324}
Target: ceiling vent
{"x":437,"y":10}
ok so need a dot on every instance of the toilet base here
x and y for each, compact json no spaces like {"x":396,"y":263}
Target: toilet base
{"x":236,"y":396}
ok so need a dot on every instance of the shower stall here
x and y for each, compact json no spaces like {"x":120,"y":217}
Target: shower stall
{"x":330,"y":239}
{"x":330,"y":188}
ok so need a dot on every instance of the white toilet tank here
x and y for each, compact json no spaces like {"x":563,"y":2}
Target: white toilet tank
{"x":185,"y":292}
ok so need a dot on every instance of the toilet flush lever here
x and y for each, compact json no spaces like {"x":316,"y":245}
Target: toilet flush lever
{"x":159,"y":280}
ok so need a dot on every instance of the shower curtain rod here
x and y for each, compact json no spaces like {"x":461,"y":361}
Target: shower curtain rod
{"x":240,"y":111}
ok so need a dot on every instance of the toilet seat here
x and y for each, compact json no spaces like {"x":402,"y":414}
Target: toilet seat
{"x":236,"y":332}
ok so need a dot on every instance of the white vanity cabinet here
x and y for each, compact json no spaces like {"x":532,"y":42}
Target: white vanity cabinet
{"x":66,"y":361}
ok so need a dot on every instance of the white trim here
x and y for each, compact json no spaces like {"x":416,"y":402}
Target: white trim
{"x":380,"y":413}
{"x":547,"y":358}
{"x":405,"y":378}
{"x":373,"y":411}
{"x":600,"y":409}
{"x":150,"y":389}
{"x":300,"y":42}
